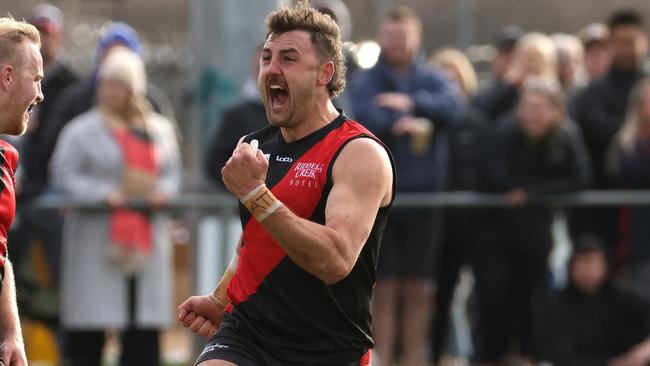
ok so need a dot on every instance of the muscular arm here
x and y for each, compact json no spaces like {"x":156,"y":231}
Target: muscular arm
{"x":361,"y":186}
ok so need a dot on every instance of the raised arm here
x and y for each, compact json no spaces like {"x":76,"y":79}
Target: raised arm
{"x":361,"y":186}
{"x":362,"y":183}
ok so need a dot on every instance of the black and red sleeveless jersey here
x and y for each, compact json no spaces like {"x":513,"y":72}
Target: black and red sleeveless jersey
{"x":8,"y":165}
{"x":294,"y":315}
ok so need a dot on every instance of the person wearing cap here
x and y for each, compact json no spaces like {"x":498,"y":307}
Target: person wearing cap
{"x":81,"y":96}
{"x":504,"y":45}
{"x":117,"y":272}
{"x":595,"y":38}
{"x":36,"y":224}
{"x":595,"y":321}
{"x":48,"y":19}
{"x":21,"y":72}
{"x":600,"y":109}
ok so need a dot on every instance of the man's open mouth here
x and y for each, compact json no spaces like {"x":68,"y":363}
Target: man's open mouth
{"x":278,"y":94}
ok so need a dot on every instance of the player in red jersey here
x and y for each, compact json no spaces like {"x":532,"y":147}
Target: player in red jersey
{"x":21,"y":72}
{"x":299,"y":289}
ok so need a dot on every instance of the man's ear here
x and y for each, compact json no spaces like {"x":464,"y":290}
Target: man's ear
{"x":326,"y":73}
{"x":7,"y":76}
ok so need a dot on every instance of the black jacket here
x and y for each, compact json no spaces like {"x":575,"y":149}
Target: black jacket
{"x":240,"y":119}
{"x":599,"y":112}
{"x":555,"y":164}
{"x":588,"y":330}
{"x":34,"y":156}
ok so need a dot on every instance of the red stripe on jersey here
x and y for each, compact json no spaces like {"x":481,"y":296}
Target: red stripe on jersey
{"x":366,"y":359}
{"x":299,"y":190}
{"x":8,"y":165}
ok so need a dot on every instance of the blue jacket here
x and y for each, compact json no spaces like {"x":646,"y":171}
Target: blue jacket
{"x":435,"y":98}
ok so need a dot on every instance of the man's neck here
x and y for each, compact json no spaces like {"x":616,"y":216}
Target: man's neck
{"x":323,"y":113}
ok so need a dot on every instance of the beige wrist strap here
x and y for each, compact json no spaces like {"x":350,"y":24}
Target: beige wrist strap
{"x":261,"y":202}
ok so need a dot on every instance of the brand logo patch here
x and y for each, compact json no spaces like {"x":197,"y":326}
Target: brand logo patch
{"x":284,"y":159}
{"x":213,"y":347}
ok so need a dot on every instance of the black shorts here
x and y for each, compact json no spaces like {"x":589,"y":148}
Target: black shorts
{"x":409,"y":246}
{"x":230,"y":345}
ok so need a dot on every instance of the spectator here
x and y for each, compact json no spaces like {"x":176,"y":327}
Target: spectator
{"x":570,"y":63}
{"x":117,"y":271}
{"x":409,"y":107}
{"x":595,"y":41}
{"x":593,"y":322}
{"x":81,"y":96}
{"x":35,"y":224}
{"x":600,"y":110}
{"x":534,"y":55}
{"x":245,"y":116}
{"x":531,"y":153}
{"x":629,"y":163}
{"x":504,"y":44}
{"x":464,"y":156}
{"x":48,"y":19}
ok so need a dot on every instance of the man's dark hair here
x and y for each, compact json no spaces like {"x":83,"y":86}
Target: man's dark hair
{"x":324,"y":36}
{"x":625,"y":17}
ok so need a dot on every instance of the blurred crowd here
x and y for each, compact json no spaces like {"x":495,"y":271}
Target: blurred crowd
{"x":560,"y":113}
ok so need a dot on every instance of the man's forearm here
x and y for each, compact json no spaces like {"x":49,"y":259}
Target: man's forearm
{"x":315,"y":248}
{"x":9,"y":321}
{"x":220,"y":293}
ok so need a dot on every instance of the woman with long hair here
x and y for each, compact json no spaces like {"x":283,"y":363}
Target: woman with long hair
{"x":117,"y":264}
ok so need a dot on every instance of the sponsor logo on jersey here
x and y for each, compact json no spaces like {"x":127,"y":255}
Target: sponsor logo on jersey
{"x":283,"y":159}
{"x":306,"y":175}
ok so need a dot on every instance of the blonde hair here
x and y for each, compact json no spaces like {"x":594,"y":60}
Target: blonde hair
{"x":452,"y":57}
{"x":127,"y":68}
{"x":13,"y":33}
{"x":542,"y":44}
{"x":325,"y":36}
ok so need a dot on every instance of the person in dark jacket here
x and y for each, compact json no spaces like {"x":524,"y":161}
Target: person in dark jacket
{"x":409,"y":107}
{"x":629,"y":164}
{"x":600,"y":110}
{"x":245,"y":116}
{"x":465,"y":155}
{"x":39,"y":225}
{"x":593,"y":322}
{"x":48,"y":19}
{"x":533,"y":152}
